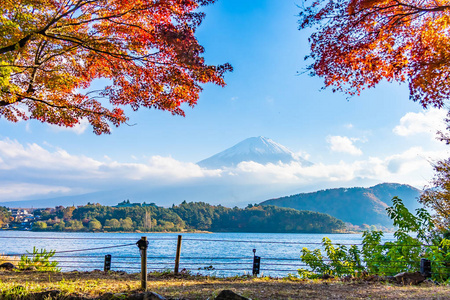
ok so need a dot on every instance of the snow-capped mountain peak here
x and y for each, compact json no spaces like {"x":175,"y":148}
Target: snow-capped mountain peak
{"x":258,"y":149}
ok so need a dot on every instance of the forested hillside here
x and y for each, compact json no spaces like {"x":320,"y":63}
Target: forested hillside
{"x":186,"y":217}
{"x":354,"y":205}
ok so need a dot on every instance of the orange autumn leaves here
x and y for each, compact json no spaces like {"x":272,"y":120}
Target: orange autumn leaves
{"x":50,"y":51}
{"x":359,"y":43}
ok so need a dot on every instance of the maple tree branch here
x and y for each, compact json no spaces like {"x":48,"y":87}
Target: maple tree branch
{"x":146,"y":49}
{"x":102,"y":18}
{"x":22,"y":42}
{"x":4,"y":103}
{"x":62,"y":52}
{"x":130,"y":25}
{"x":77,"y":6}
{"x":68,"y":107}
{"x":85,"y":45}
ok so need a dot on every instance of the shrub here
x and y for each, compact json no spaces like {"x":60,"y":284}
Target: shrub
{"x":416,"y":238}
{"x":40,"y":259}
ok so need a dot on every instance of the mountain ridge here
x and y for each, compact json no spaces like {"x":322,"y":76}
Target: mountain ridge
{"x":355,"y":205}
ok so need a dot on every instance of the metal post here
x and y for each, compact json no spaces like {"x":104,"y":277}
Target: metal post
{"x":107,"y":265}
{"x":256,"y":263}
{"x":143,"y":245}
{"x":425,"y":267}
{"x":177,"y":257}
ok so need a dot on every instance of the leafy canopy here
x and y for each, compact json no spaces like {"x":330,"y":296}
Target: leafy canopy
{"x":52,"y":50}
{"x":358,"y":43}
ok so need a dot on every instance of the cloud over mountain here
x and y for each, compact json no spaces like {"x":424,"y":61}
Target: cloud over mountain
{"x":252,"y":170}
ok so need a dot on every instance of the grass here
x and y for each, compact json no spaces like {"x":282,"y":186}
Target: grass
{"x":9,"y":259}
{"x":184,"y":286}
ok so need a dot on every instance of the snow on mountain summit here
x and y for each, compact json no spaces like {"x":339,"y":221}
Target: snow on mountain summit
{"x":258,"y":149}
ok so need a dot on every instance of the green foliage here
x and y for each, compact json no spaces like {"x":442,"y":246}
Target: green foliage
{"x":186,"y":216}
{"x":437,"y":195}
{"x":40,"y":259}
{"x":112,"y":225}
{"x":275,"y":219}
{"x":4,"y":216}
{"x":39,"y":226}
{"x":341,"y":260}
{"x":74,"y":225}
{"x":388,"y":258}
{"x":60,"y":226}
{"x":95,"y":225}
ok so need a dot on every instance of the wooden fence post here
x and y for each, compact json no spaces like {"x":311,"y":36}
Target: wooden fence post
{"x":256,"y":263}
{"x":425,"y":267}
{"x":177,"y":257}
{"x":107,"y":265}
{"x":143,"y":245}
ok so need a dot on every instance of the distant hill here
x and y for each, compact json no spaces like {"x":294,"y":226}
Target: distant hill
{"x":258,"y":149}
{"x":354,"y":205}
{"x":131,"y":217}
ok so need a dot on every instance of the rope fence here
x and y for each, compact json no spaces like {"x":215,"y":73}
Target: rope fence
{"x":207,"y":240}
{"x":72,"y":259}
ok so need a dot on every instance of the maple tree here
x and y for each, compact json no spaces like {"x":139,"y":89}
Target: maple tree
{"x":52,"y":50}
{"x":437,"y":195}
{"x":358,"y":43}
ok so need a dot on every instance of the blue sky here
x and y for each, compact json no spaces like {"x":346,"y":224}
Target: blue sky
{"x":377,"y":137}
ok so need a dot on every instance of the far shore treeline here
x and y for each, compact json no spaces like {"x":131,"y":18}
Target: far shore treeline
{"x":192,"y":216}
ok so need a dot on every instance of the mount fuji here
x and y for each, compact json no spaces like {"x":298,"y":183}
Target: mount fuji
{"x":257,"y":149}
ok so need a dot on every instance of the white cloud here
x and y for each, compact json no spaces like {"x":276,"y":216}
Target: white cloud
{"x":157,"y":168}
{"x":31,"y":170}
{"x":33,"y":156}
{"x":77,"y":129}
{"x":343,"y":144}
{"x":33,"y":164}
{"x":429,"y":122}
{"x":302,"y":154}
{"x":412,"y":166}
{"x":14,"y":191}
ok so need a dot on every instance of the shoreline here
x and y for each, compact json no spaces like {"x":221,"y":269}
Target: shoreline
{"x":194,"y":231}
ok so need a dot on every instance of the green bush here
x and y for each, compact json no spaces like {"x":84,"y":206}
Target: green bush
{"x":415,"y":236}
{"x":339,"y":260}
{"x":40,"y":259}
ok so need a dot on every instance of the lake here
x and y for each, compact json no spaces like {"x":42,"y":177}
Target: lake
{"x":220,"y":254}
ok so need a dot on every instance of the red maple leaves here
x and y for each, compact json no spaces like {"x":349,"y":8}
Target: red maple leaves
{"x":52,"y":50}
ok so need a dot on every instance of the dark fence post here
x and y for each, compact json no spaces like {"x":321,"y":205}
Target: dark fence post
{"x":107,"y":265}
{"x":425,"y":267}
{"x":177,"y":257}
{"x":143,"y":245}
{"x":256,"y":263}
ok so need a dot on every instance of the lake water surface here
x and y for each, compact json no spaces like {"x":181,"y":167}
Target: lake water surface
{"x":220,"y":254}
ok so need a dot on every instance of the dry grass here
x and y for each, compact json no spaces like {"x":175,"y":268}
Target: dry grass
{"x":94,"y":284}
{"x":9,"y":259}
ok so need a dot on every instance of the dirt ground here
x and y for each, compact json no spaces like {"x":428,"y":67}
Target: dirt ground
{"x":184,"y":286}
